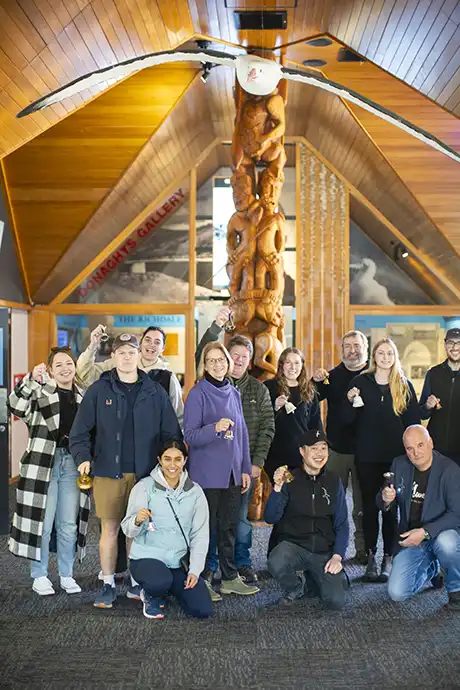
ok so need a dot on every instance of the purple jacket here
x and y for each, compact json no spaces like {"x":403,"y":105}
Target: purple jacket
{"x":212,"y":458}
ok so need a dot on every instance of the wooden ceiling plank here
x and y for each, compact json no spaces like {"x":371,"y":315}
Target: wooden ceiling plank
{"x":404,"y":20}
{"x":450,"y":49}
{"x":148,"y":46}
{"x":381,"y":42}
{"x":106,"y":25}
{"x":94,"y":38}
{"x":22,"y":21}
{"x":61,"y":10}
{"x":372,"y":22}
{"x":131,"y":27}
{"x":154,"y":25}
{"x":424,"y":40}
{"x":410,"y":32}
{"x":455,"y":16}
{"x":13,"y":41}
{"x":49,"y":15}
{"x":444,"y":79}
{"x":434,"y":58}
{"x":111,"y":8}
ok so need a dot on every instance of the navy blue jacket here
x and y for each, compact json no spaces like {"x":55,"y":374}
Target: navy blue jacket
{"x":310,"y":511}
{"x":441,"y":507}
{"x":96,"y":433}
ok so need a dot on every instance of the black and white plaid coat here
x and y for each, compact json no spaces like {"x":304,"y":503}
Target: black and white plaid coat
{"x":38,"y":405}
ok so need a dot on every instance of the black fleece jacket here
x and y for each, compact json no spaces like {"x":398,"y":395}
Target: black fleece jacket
{"x":378,"y":430}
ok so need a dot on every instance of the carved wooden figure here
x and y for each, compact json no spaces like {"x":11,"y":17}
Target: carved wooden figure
{"x":256,"y":231}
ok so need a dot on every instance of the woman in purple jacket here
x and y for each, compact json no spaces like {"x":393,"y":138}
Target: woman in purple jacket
{"x":219,"y":460}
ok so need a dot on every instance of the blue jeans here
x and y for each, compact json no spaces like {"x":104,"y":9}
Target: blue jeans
{"x":243,"y":539}
{"x":62,"y":504}
{"x":414,"y":566}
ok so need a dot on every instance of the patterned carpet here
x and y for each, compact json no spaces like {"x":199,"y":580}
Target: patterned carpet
{"x":63,"y":643}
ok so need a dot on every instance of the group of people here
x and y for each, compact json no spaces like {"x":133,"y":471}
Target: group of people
{"x":176,"y":480}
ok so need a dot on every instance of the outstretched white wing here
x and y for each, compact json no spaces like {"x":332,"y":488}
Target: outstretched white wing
{"x":124,"y":69}
{"x":374,"y":108}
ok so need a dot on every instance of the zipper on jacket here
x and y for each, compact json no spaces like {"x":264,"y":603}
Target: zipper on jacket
{"x":451,"y":394}
{"x":313,"y":495}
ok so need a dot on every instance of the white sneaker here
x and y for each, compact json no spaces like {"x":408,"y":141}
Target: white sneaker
{"x":43,"y":586}
{"x":69,"y":585}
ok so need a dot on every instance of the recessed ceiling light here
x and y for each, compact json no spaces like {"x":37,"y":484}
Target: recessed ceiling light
{"x":314,"y":63}
{"x":319,"y":42}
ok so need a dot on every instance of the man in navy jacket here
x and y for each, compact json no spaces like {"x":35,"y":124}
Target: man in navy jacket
{"x":425,"y":486}
{"x":122,"y":420}
{"x":311,"y":526}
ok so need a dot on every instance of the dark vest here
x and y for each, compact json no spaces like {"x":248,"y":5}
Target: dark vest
{"x":444,"y":424}
{"x":161,"y":376}
{"x":308,"y":519}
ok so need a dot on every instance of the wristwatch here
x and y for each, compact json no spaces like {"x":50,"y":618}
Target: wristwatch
{"x":426,"y":534}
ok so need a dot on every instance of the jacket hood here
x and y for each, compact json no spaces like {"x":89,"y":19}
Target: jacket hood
{"x":185,"y":483}
{"x":161,"y":363}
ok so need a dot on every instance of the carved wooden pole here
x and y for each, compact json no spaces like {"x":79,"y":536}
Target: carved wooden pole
{"x":256,"y":235}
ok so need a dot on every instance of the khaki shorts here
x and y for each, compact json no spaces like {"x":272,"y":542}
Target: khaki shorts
{"x":111,"y":496}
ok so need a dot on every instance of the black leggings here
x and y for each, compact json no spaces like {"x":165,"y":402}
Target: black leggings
{"x":370,"y":478}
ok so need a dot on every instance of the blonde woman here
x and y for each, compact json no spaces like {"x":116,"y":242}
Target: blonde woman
{"x":291,"y":388}
{"x":386,"y":406}
{"x":219,"y":458}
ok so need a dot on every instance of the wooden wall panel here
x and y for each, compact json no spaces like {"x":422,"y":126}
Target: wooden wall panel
{"x":165,"y":159}
{"x":41,"y":338}
{"x":323,"y":253}
{"x":58,"y":180}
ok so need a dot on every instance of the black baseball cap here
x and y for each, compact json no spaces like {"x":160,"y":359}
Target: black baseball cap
{"x":312,"y":436}
{"x":453,"y":334}
{"x":125,"y":339}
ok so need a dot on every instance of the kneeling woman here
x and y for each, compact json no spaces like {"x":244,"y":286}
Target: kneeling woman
{"x":47,"y":491}
{"x":168,"y":520}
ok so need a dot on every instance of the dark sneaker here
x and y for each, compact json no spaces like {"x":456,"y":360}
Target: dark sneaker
{"x":386,"y":568}
{"x":248,"y":575}
{"x":372,"y":573}
{"x":153,"y":607}
{"x":134,"y":592}
{"x":438,"y":580}
{"x":361,"y":557}
{"x":454,"y":601}
{"x":107,"y":597}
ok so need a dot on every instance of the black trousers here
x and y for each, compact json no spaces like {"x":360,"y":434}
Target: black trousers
{"x":370,"y":478}
{"x":224,"y":508}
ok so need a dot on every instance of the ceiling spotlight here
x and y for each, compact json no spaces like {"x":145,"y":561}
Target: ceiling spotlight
{"x":206,"y":71}
{"x":399,"y":251}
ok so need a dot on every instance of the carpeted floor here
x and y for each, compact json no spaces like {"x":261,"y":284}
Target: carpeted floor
{"x":63,"y":643}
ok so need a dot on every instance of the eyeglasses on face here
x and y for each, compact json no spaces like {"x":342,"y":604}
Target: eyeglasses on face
{"x":452,"y":343}
{"x":213,"y":362}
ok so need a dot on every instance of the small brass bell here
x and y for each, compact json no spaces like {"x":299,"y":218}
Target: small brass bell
{"x":84,"y":482}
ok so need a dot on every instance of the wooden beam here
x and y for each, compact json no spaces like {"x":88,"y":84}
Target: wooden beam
{"x":124,"y":234}
{"x":190,"y":321}
{"x":163,"y":308}
{"x":299,"y":334}
{"x":14,"y":305}
{"x":406,"y":310}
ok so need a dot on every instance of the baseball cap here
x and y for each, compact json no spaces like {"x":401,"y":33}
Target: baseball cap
{"x":125,"y":339}
{"x":312,"y":436}
{"x":453,"y":334}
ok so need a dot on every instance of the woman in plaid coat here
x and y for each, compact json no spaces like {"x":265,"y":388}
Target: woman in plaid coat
{"x":47,"y":491}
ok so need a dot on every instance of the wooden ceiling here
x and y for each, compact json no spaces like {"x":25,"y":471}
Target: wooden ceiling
{"x":79,"y":185}
{"x":59,"y":179}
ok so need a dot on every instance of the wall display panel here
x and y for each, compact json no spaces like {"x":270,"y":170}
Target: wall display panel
{"x":151,"y":266}
{"x":419,"y":339}
{"x":375,"y":278}
{"x":74,"y":330}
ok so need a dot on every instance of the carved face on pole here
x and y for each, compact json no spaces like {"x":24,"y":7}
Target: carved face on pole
{"x":270,"y":190}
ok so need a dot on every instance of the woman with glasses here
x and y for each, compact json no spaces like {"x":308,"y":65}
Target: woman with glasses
{"x":381,"y":404}
{"x":47,"y":400}
{"x":219,"y":459}
{"x":295,"y":401}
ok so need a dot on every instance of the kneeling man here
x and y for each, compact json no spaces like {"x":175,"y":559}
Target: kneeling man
{"x":311,"y":526}
{"x":426,"y":488}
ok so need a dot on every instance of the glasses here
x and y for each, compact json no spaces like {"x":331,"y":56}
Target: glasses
{"x":213,"y":362}
{"x":452,"y":343}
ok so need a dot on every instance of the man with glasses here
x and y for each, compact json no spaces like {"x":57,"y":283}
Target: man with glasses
{"x":440,"y":399}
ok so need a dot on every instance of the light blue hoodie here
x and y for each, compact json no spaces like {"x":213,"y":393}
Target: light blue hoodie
{"x":166,"y":542}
